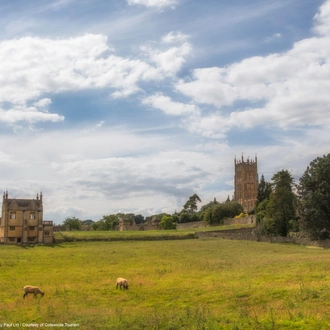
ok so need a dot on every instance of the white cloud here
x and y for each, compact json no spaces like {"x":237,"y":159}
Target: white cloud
{"x":32,"y":67}
{"x":174,"y":37}
{"x":322,"y":19}
{"x":275,"y":36}
{"x":212,"y":125}
{"x":153,"y":3}
{"x":169,"y":60}
{"x":30,"y":115}
{"x":293,"y":86}
{"x":70,"y":168}
{"x":165,"y":104}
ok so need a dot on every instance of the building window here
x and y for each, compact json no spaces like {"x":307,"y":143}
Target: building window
{"x":12,"y":228}
{"x":12,"y":215}
{"x":31,"y":228}
{"x":32,"y":215}
{"x":31,"y":239}
{"x":11,"y":239}
{"x":46,"y":233}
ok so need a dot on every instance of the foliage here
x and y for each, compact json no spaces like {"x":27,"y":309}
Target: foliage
{"x":167,"y":222}
{"x":264,"y":190}
{"x":281,"y":204}
{"x":186,"y":216}
{"x":266,"y":226}
{"x":191,"y":205}
{"x":241,"y":215}
{"x":72,"y":223}
{"x":314,"y":197}
{"x":139,"y":218}
{"x":205,"y":207}
{"x":108,"y":222}
{"x":218,"y":212}
{"x":261,"y":210}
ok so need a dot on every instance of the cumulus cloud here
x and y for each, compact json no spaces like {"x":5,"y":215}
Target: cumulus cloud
{"x":169,"y":60}
{"x":32,"y":67}
{"x":322,"y":19}
{"x":168,"y":106}
{"x":290,"y":88}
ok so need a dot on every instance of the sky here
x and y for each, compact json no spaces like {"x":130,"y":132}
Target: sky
{"x":134,"y":105}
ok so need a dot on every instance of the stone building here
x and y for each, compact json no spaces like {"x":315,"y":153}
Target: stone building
{"x":22,"y":221}
{"x":246,"y":183}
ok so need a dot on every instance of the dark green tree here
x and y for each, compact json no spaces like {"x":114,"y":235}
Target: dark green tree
{"x":314,"y":197}
{"x":72,"y":223}
{"x":218,"y":212}
{"x":191,"y":204}
{"x":281,"y":204}
{"x":264,"y":190}
{"x":186,"y":216}
{"x":139,"y":218}
{"x":205,"y":207}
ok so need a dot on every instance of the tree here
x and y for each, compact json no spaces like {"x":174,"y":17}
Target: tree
{"x":191,"y":204}
{"x":167,"y":222}
{"x":72,"y":223}
{"x":264,"y":190}
{"x":138,"y":218}
{"x":280,"y":207}
{"x":205,"y":207}
{"x":314,"y":197}
{"x":108,"y":222}
{"x":218,"y":212}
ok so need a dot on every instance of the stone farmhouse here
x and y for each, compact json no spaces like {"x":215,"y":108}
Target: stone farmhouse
{"x":22,"y":222}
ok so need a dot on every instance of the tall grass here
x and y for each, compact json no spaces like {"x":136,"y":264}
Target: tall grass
{"x":174,"y":284}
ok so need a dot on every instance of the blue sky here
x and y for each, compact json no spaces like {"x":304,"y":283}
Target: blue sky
{"x":135,"y":105}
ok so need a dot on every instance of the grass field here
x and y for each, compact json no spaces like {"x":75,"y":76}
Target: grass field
{"x":80,"y":235}
{"x":174,"y":284}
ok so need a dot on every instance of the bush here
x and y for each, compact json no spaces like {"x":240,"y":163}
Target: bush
{"x":167,"y":222}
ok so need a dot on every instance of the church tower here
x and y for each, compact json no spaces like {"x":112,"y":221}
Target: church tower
{"x":246,"y":183}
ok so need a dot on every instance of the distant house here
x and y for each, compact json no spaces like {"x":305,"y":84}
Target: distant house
{"x":22,"y":221}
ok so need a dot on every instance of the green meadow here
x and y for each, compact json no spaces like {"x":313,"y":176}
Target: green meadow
{"x":174,"y":284}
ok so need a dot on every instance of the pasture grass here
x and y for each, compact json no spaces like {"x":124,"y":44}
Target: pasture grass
{"x":79,"y":235}
{"x":174,"y":284}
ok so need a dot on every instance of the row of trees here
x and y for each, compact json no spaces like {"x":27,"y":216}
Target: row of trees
{"x":211,"y":213}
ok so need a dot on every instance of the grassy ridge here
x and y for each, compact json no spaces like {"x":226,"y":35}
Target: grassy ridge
{"x":174,"y":284}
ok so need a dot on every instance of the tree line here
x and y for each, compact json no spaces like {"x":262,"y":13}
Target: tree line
{"x":282,"y":206}
{"x":285,"y":206}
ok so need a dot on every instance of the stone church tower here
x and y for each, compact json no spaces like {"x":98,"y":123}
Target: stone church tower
{"x":246,"y":183}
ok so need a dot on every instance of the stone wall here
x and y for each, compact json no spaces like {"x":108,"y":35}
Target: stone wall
{"x":190,"y":225}
{"x":248,"y":234}
{"x":229,"y":221}
{"x":251,"y":219}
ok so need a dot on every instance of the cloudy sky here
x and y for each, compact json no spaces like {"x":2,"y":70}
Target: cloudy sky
{"x":135,"y":105}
